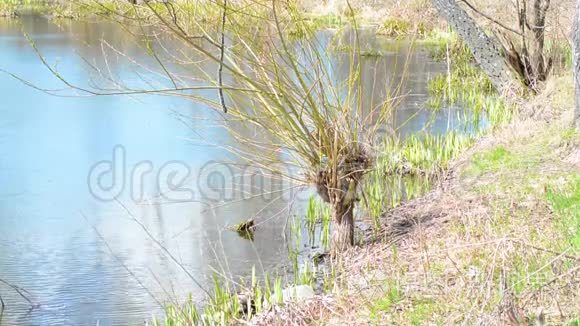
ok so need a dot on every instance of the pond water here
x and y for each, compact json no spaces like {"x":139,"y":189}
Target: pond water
{"x":83,"y":258}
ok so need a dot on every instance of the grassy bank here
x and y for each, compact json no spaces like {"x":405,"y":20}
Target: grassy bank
{"x":392,"y":18}
{"x":434,"y":251}
{"x":415,"y":19}
{"x":15,"y":8}
{"x":83,"y":9}
{"x":497,"y":243}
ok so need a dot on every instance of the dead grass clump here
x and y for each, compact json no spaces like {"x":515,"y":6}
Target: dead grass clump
{"x":303,"y":313}
{"x":375,"y":12}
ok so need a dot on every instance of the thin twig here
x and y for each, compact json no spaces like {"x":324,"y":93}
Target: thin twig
{"x":490,"y":18}
{"x":562,"y":254}
{"x":2,"y":307}
{"x":20,"y":292}
{"x":221,"y":63}
{"x":162,"y":247}
{"x":120,"y":261}
{"x":570,"y":271}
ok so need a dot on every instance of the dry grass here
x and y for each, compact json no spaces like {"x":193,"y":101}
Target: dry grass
{"x":377,"y":12}
{"x":490,"y":246}
{"x":559,"y":18}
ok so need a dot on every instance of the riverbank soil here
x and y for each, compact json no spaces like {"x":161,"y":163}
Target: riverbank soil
{"x":496,"y":243}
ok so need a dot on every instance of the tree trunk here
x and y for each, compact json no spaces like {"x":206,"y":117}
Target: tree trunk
{"x":486,"y":50}
{"x":343,"y":228}
{"x":540,"y":68}
{"x":576,"y":40}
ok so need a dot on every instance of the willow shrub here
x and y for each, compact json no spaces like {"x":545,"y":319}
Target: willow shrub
{"x":285,"y":87}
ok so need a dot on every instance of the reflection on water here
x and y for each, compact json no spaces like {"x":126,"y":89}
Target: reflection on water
{"x":84,"y":260}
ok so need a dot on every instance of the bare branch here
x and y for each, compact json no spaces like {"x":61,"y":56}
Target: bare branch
{"x":114,"y":92}
{"x":2,"y":307}
{"x":21,"y":292}
{"x":120,"y":261}
{"x":221,"y":59}
{"x":491,"y":18}
{"x":162,"y":247}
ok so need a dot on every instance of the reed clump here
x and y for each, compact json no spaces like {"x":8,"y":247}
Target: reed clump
{"x":13,"y":8}
{"x":229,"y":302}
{"x":406,"y":169}
{"x":502,"y":230}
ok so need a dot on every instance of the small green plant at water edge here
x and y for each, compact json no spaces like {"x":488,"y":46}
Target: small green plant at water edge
{"x":306,"y":274}
{"x":497,"y":111}
{"x":8,"y":8}
{"x":328,"y":21}
{"x":375,"y":198}
{"x":224,"y":305}
{"x":304,"y":25}
{"x":317,"y":214}
{"x":325,"y":237}
{"x":436,"y":38}
{"x":451,"y":47}
{"x":393,"y":27}
{"x":64,"y":9}
{"x":464,"y":79}
{"x":11,"y":8}
{"x":467,"y":84}
{"x":371,"y":53}
{"x":421,"y":154}
{"x":312,"y":214}
{"x":404,"y":169}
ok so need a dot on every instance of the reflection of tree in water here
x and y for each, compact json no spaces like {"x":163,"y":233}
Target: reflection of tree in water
{"x":401,"y":69}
